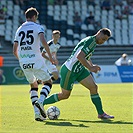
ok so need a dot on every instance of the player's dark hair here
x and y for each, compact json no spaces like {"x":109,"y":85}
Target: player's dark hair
{"x":106,"y":31}
{"x":30,"y":12}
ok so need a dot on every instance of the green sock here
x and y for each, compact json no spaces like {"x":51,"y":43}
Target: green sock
{"x":97,"y":102}
{"x":51,"y":99}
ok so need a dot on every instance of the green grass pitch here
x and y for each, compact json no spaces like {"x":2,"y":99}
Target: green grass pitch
{"x":78,"y":114}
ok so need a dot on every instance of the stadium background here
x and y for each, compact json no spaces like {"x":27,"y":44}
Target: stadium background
{"x":60,"y":16}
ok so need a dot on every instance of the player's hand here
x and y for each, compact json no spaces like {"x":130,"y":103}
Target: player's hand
{"x":52,"y":60}
{"x":95,"y":68}
{"x":56,"y":62}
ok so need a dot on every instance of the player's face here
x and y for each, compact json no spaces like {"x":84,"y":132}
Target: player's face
{"x":102,"y":38}
{"x":56,"y":36}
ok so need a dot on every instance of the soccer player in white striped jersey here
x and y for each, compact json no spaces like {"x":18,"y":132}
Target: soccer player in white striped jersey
{"x":54,"y":46}
{"x":26,"y":48}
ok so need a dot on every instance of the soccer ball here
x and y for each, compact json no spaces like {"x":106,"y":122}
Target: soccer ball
{"x":53,"y":113}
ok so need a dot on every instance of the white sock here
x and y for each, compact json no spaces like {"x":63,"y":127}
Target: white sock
{"x":36,"y":110}
{"x":44,"y":93}
{"x":34,"y":97}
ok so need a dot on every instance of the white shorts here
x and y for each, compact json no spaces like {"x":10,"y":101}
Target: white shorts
{"x":51,"y":67}
{"x":35,"y":70}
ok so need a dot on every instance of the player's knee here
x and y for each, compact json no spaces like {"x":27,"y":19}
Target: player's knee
{"x":56,"y":77}
{"x":94,"y":89}
{"x":34,"y":85}
{"x":49,"y":82}
{"x":64,"y":95}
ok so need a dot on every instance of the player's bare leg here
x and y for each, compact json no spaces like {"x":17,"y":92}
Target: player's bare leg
{"x":55,"y":76}
{"x":64,"y":94}
{"x":39,"y":81}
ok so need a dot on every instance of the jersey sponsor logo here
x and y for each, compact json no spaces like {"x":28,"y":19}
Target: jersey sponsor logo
{"x":87,"y":50}
{"x":28,"y":66}
{"x":27,"y":55}
{"x":26,"y":48}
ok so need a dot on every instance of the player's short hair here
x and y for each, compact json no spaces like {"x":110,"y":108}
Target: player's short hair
{"x":124,"y":55}
{"x":56,"y":32}
{"x":106,"y":31}
{"x":30,"y":12}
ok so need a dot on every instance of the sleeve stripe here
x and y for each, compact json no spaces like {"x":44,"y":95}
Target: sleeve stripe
{"x":15,"y":41}
{"x":41,"y":32}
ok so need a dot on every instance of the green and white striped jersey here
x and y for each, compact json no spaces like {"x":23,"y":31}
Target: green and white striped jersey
{"x":87,"y":45}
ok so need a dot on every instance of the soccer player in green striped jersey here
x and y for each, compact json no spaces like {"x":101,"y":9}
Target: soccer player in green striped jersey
{"x":78,"y":68}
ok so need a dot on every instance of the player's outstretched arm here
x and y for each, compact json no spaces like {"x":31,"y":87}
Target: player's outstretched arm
{"x":55,"y":58}
{"x":90,"y":62}
{"x":82,"y":59}
{"x":15,"y":49}
{"x":44,"y":43}
{"x":45,"y":56}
